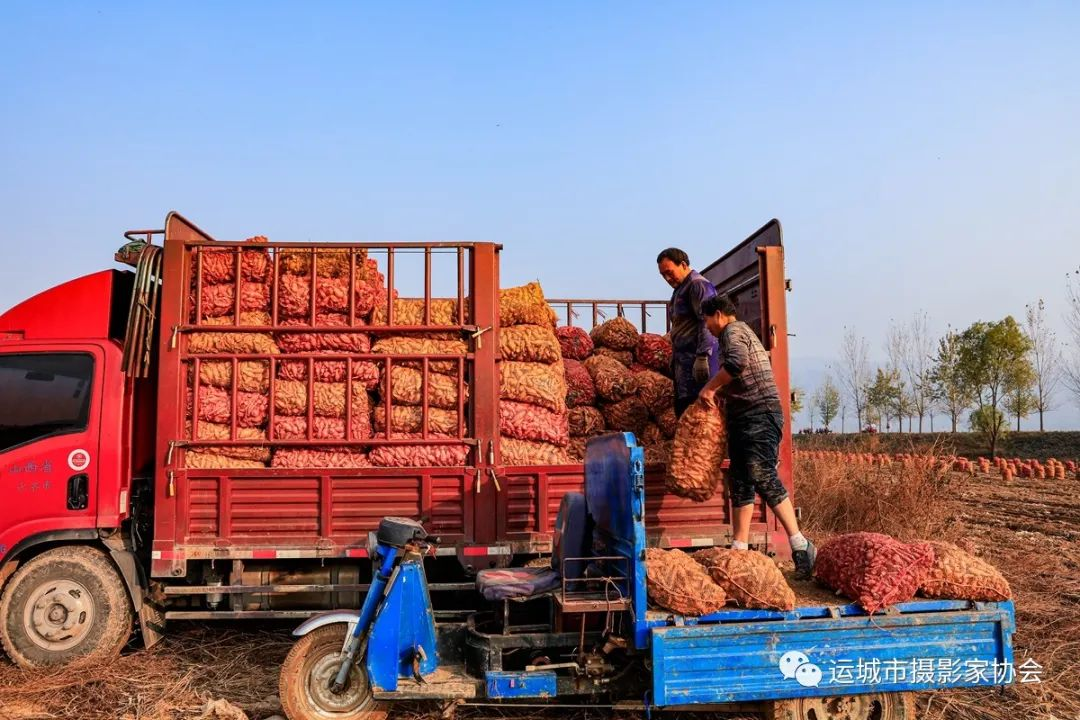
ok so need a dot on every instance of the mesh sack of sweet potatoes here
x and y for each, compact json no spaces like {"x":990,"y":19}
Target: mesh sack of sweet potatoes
{"x":331,"y":295}
{"x":207,"y":460}
{"x":524,"y":421}
{"x":656,"y":391}
{"x":527,"y":452}
{"x":699,"y":448}
{"x":410,"y":311}
{"x":959,"y":575}
{"x":525,"y":305}
{"x":576,"y":449}
{"x":617,"y":334}
{"x":205,"y":342}
{"x":219,"y":265}
{"x":580,"y":390}
{"x":872,"y":569}
{"x":575,"y":342}
{"x":535,"y":383}
{"x":219,"y":299}
{"x":215,"y":405}
{"x":218,"y":431}
{"x":409,"y":419}
{"x":254,"y":374}
{"x":329,"y":457}
{"x":295,"y":427}
{"x":328,"y":399}
{"x":657,"y":447}
{"x":748,"y":577}
{"x":311,"y":340}
{"x":529,"y":343}
{"x":586,"y":421}
{"x":624,"y":357}
{"x":329,"y":262}
{"x":612,"y":380}
{"x":331,"y":371}
{"x":668,"y":423}
{"x":654,"y":352}
{"x":675,"y":582}
{"x":418,"y":455}
{"x":626,"y":415}
{"x":407,"y":388}
{"x":400,"y":345}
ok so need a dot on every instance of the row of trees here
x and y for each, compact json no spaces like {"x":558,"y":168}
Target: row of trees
{"x":990,"y":373}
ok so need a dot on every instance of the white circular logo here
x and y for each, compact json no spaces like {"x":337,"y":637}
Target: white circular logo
{"x":79,"y":460}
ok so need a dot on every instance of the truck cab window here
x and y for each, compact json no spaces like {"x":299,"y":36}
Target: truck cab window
{"x":43,"y":395}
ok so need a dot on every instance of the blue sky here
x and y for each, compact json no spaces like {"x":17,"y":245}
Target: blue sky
{"x":919,"y":156}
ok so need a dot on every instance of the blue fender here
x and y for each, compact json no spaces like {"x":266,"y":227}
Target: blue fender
{"x":327,"y":618}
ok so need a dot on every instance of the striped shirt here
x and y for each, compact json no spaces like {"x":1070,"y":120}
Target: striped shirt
{"x":753,"y":389}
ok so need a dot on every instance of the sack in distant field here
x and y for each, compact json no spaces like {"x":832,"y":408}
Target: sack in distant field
{"x":624,"y":357}
{"x":699,"y":448}
{"x":575,"y":342}
{"x":612,"y":380}
{"x":529,"y":343}
{"x":654,"y":352}
{"x":872,"y":569}
{"x":586,"y":421}
{"x":525,"y":452}
{"x":675,"y":582}
{"x":748,"y":577}
{"x":523,"y":421}
{"x":617,"y":334}
{"x":626,"y":415}
{"x":525,"y":305}
{"x":959,"y":575}
{"x":535,"y":383}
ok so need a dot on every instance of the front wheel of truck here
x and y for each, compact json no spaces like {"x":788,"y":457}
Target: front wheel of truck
{"x":66,"y":604}
{"x":878,"y":706}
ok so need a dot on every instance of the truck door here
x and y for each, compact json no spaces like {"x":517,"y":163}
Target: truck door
{"x":49,"y":423}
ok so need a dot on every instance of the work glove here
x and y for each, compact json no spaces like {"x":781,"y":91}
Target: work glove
{"x":701,"y":369}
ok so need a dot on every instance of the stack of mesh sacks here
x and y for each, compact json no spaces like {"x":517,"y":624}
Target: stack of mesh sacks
{"x":533,"y":420}
{"x":333,"y":417}
{"x":618,"y":380}
{"x":214,"y":305}
{"x":407,"y":389}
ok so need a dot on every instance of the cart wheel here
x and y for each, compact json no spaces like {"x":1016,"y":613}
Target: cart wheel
{"x":309,"y":670}
{"x":878,"y":706}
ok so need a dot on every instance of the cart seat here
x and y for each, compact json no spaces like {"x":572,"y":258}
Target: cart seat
{"x":519,"y":583}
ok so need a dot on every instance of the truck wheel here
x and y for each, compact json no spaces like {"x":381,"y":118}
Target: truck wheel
{"x":65,"y":604}
{"x":306,"y":676}
{"x":878,"y":706}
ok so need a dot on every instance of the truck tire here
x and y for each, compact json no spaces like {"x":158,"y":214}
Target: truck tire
{"x":878,"y":706}
{"x":66,"y":604}
{"x":306,"y":674}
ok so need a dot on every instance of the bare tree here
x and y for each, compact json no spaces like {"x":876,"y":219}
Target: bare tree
{"x":915,"y":356}
{"x":1072,"y":321}
{"x":854,"y":370}
{"x":1045,"y":359}
{"x":896,"y":343}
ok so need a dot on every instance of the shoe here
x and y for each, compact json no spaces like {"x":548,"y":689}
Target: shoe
{"x":804,"y":561}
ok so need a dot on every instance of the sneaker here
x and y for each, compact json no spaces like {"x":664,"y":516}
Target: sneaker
{"x":804,"y":561}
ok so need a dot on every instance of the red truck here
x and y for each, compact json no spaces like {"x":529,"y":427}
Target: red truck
{"x":103,"y":525}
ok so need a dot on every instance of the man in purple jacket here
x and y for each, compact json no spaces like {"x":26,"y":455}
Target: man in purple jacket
{"x":695,"y":356}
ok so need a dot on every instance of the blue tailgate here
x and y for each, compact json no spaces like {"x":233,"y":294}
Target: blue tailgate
{"x":919,"y":646}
